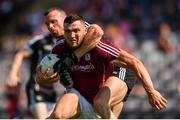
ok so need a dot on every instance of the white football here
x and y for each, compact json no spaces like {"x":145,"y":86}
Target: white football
{"x":48,"y":62}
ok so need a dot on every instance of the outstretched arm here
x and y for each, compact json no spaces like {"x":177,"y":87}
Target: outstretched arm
{"x":13,"y":78}
{"x":128,"y":61}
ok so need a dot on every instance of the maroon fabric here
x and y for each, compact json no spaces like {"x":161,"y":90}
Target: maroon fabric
{"x":92,"y":69}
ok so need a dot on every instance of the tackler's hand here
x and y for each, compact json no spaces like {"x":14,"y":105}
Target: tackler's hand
{"x":91,"y":39}
{"x":93,"y":36}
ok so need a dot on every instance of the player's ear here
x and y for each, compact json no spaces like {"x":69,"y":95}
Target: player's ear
{"x":86,"y":29}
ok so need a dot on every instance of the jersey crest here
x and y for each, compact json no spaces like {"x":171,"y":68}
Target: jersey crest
{"x":87,"y":57}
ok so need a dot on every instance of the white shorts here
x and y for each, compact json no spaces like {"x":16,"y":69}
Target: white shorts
{"x":48,"y":105}
{"x":87,"y":110}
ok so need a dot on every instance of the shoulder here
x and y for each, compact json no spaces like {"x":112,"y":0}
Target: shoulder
{"x":60,"y":42}
{"x":105,"y":47}
{"x":33,"y":42}
{"x":38,"y":38}
{"x":60,"y":45}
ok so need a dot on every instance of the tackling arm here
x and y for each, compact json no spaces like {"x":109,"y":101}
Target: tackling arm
{"x":91,"y":39}
{"x":128,"y":61}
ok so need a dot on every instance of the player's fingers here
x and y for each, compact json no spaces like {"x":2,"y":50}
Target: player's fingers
{"x":54,"y":75}
{"x":55,"y":79}
{"x":154,"y":104}
{"x":52,"y":80}
{"x":38,"y":68}
{"x":160,"y":106}
{"x":47,"y":70}
{"x":39,"y":74}
{"x":164,"y":100}
{"x":164,"y":104}
{"x":98,"y":29}
{"x":157,"y":107}
{"x":91,"y":30}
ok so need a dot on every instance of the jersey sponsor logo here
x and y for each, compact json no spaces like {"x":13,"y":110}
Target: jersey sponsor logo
{"x":85,"y":68}
{"x":87,"y":57}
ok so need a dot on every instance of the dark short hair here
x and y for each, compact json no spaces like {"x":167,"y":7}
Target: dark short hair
{"x":53,"y":9}
{"x":73,"y":17}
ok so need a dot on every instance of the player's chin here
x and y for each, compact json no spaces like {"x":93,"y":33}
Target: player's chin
{"x":54,"y":33}
{"x":74,"y":46}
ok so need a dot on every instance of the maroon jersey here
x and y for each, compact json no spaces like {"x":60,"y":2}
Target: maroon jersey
{"x":93,"y":68}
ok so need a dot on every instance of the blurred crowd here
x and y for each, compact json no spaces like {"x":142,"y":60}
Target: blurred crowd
{"x":149,"y":29}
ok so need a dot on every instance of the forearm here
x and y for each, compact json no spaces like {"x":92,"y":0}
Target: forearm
{"x":155,"y":98}
{"x":84,"y":49}
{"x":128,"y":61}
{"x":79,"y":53}
{"x":16,"y":63}
{"x":91,"y":39}
{"x":143,"y":76}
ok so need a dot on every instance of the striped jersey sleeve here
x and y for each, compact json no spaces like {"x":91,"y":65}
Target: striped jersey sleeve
{"x":108,"y":51}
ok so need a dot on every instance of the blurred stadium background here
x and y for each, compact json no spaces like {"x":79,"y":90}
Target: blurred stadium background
{"x":139,"y":26}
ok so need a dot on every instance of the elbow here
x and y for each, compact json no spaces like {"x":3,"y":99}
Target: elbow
{"x":136,"y":63}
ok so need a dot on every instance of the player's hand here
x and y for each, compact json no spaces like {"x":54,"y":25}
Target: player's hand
{"x":91,"y":39}
{"x":93,"y":36}
{"x":13,"y":80}
{"x":44,"y":78}
{"x":157,"y":100}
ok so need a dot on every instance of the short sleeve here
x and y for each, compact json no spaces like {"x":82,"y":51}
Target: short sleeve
{"x":107,"y":51}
